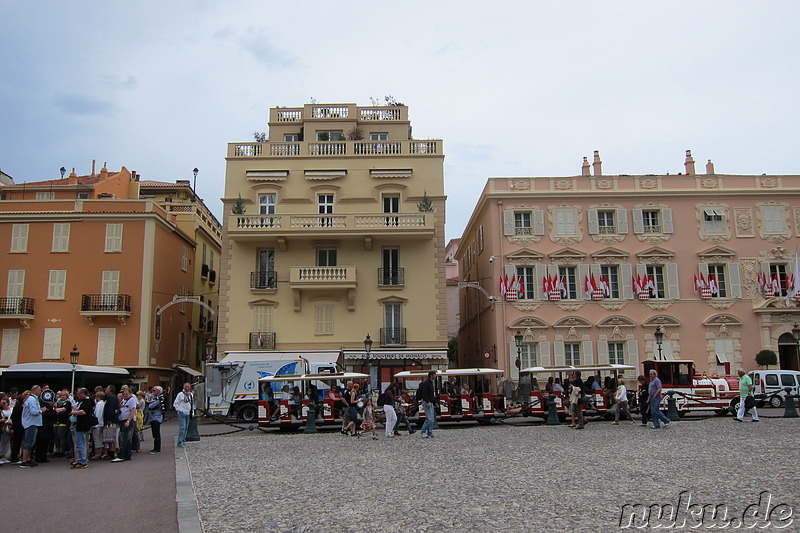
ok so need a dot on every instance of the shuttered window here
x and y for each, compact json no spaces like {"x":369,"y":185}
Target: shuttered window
{"x":52,"y":343}
{"x":113,"y":238}
{"x":110,"y":282}
{"x":16,"y":284}
{"x":19,"y":238}
{"x":323,"y":323}
{"x":262,"y":318}
{"x":774,"y":218}
{"x":106,"y":341}
{"x":60,"y":238}
{"x":9,"y":353}
{"x":57,"y":285}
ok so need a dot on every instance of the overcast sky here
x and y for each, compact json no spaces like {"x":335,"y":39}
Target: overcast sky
{"x":513,"y":88}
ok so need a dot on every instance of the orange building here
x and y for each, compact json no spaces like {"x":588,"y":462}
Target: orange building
{"x":86,"y":264}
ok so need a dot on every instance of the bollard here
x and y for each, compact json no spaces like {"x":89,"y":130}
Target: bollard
{"x":192,"y":435}
{"x":552,"y":416}
{"x":672,"y":407}
{"x":311,"y":418}
{"x":790,"y":411}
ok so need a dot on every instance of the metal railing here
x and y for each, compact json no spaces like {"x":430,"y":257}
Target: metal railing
{"x":263,"y":279}
{"x":204,"y":271}
{"x":393,"y":336}
{"x":212,"y":276}
{"x":106,"y":302}
{"x":262,"y":340}
{"x":17,"y":306}
{"x":391,"y":276}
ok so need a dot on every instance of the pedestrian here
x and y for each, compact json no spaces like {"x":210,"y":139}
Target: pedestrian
{"x":654,"y":391}
{"x":127,"y":426}
{"x":97,"y":430}
{"x":17,"y":431}
{"x":85,"y":419}
{"x":31,"y":422}
{"x":621,"y":401}
{"x":345,"y":401}
{"x":61,"y":425}
{"x":111,"y":420}
{"x":428,"y":393}
{"x":402,"y":401}
{"x":576,"y":397}
{"x":643,"y":399}
{"x":746,"y":398}
{"x":184,"y":406}
{"x":390,"y":399}
{"x":5,"y":430}
{"x":368,"y":419}
{"x":352,"y":411}
{"x":156,"y":415}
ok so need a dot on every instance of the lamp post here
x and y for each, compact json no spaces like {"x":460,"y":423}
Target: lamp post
{"x":194,"y":184}
{"x":367,"y":349}
{"x":209,"y":357}
{"x":73,"y":358}
{"x":659,"y":335}
{"x":518,"y":342}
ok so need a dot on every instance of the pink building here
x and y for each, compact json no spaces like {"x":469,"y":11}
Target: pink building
{"x":601,"y":261}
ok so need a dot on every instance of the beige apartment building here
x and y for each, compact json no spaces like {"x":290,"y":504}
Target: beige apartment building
{"x":332,"y":242}
{"x":640,"y":241}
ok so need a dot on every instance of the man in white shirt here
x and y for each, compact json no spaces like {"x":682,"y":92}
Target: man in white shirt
{"x":184,"y":405}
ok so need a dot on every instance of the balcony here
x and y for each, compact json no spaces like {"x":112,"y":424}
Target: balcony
{"x":320,"y":278}
{"x":312,"y":226}
{"x":94,"y":305}
{"x":21,"y":309}
{"x":393,"y":336}
{"x":204,"y":271}
{"x":262,"y":340}
{"x":391,"y":277}
{"x":391,"y":148}
{"x":212,"y":277}
{"x":263,"y":280}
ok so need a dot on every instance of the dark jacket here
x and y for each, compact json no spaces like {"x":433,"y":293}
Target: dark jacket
{"x":111,"y":410}
{"x":85,"y":421}
{"x":428,"y":391}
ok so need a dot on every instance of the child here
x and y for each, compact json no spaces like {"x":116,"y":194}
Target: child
{"x":368,"y":414}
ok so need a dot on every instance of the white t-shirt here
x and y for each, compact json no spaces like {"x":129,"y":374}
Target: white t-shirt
{"x":621,"y":394}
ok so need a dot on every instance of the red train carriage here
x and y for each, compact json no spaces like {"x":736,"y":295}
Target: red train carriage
{"x":693,"y":391}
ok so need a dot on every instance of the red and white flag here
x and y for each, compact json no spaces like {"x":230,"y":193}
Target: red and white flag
{"x":776,"y":286}
{"x":712,"y":284}
{"x":635,"y":284}
{"x":587,"y":285}
{"x":520,"y":286}
{"x":605,"y":286}
{"x":562,"y":287}
{"x":696,"y":284}
{"x":792,"y":281}
{"x":545,"y":284}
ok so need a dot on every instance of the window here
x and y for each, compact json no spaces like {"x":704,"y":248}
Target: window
{"x":262,"y":318}
{"x":182,"y":294}
{"x":656,"y":274}
{"x":393,"y":323}
{"x":83,"y":196}
{"x":323,"y":323}
{"x":58,"y":282}
{"x":777,"y":271}
{"x":113,"y":238}
{"x":522,"y":223}
{"x":771,"y":380}
{"x":650,"y":221}
{"x":60,"y":238}
{"x":9,"y":353}
{"x":106,"y":341}
{"x":205,"y":253}
{"x":480,"y":239}
{"x":774,"y":219}
{"x":616,"y":353}
{"x":391,"y":273}
{"x":713,"y":221}
{"x":211,"y":259}
{"x":19,"y":238}
{"x":716,"y":274}
{"x":528,"y":354}
{"x":570,"y":278}
{"x":565,"y":222}
{"x":572,"y":353}
{"x":526,"y":275}
{"x":16,"y":284}
{"x":182,"y":346}
{"x":391,"y":204}
{"x":330,"y":135}
{"x":265,"y":274}
{"x":379,"y":136}
{"x":266,"y":204}
{"x":110,"y":282}
{"x":326,"y":257}
{"x":609,"y":274}
{"x":52,"y":343}
{"x":291,"y":137}
{"x":724,"y":352}
{"x":184,"y":259}
{"x":605,"y":223}
{"x":49,"y":195}
{"x":325,"y":204}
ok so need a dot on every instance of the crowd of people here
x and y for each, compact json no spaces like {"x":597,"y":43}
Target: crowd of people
{"x":39,"y":424}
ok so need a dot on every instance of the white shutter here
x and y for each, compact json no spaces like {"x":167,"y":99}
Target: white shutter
{"x":765,"y":268}
{"x":9,"y":353}
{"x":666,"y":350}
{"x":702,"y":268}
{"x":508,"y":222}
{"x":106,"y":341}
{"x":538,"y":222}
{"x":627,"y":281}
{"x":110,"y":282}
{"x":57,"y":284}
{"x":638,"y":222}
{"x":587,"y":353}
{"x":558,"y":351}
{"x":666,"y":220}
{"x":632,"y":355}
{"x":583,"y":271}
{"x":16,"y":284}
{"x":60,"y":238}
{"x":602,"y":352}
{"x":512,"y":361}
{"x":541,"y":272}
{"x":622,"y":221}
{"x":544,"y":353}
{"x":774,"y":219}
{"x":52,"y":343}
{"x":324,"y":320}
{"x":509,"y":270}
{"x":113,"y":238}
{"x":673,"y":285}
{"x":262,"y":318}
{"x":591,"y":215}
{"x":565,"y":221}
{"x":185,"y":259}
{"x":19,"y":238}
{"x":734,"y":280}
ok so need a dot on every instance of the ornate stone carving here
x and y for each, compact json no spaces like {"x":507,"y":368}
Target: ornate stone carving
{"x":769,"y":182}
{"x":649,"y":238}
{"x":563,"y":184}
{"x":648,"y":183}
{"x":748,"y":269}
{"x":572,"y":333}
{"x":604,"y":184}
{"x":743,"y":218}
{"x":526,"y":307}
{"x":797,"y":220}
{"x":613,"y":305}
{"x":717,"y":303}
{"x":607,"y":239}
{"x":520,"y":184}
{"x":658,"y":305}
{"x":570,"y":306}
{"x":709,"y":183}
{"x":524,"y":240}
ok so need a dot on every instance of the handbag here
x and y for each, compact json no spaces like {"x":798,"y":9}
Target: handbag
{"x":109,"y":434}
{"x":749,"y":402}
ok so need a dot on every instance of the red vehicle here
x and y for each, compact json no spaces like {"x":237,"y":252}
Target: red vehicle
{"x":693,"y":391}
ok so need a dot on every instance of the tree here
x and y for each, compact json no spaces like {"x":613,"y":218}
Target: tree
{"x":766,"y":358}
{"x":452,"y":351}
{"x":425,"y":205}
{"x":238,"y":206}
{"x":260,"y":136}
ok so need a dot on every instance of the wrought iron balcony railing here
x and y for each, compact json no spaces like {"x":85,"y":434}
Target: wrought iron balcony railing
{"x":17,"y":306}
{"x":391,"y":277}
{"x":263,"y":279}
{"x":393,"y":336}
{"x":111,"y":303}
{"x":262,"y":340}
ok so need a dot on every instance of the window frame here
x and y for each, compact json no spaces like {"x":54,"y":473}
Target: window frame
{"x":113,"y":242}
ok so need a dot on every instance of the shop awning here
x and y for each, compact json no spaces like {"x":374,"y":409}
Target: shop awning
{"x":188,"y":370}
{"x":63,"y":367}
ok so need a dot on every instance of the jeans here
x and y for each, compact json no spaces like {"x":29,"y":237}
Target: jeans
{"x":656,"y":414}
{"x":125,"y":439}
{"x":430,"y":418}
{"x":183,"y":427}
{"x":391,"y":419}
{"x":80,"y":445}
{"x":155,"y":428}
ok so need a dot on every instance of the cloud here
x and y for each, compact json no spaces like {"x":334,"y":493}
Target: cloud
{"x":79,"y":104}
{"x":115,"y":83}
{"x":258,"y":43}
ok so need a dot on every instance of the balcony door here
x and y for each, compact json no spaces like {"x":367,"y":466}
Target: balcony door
{"x":390,"y":273}
{"x":325,"y":207}
{"x":109,"y":290}
{"x":326,"y":257}
{"x":266,"y":269}
{"x":391,"y":204}
{"x":393,"y":322}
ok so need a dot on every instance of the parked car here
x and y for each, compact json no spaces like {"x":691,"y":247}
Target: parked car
{"x":772,"y":381}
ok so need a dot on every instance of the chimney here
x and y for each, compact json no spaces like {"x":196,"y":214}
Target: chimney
{"x":104,"y":171}
{"x":73,"y":178}
{"x":710,"y":168}
{"x":689,"y":163}
{"x":597,"y":165}
{"x":585,"y":167}
{"x":93,"y":167}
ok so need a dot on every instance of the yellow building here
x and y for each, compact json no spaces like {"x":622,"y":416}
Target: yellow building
{"x":332,"y":244}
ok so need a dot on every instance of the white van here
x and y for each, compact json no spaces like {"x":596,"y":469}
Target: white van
{"x":770,"y":381}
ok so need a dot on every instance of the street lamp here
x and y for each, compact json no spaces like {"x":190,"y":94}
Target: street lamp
{"x":209,"y":350}
{"x":518,"y":342}
{"x":194,"y":184}
{"x":73,"y":358}
{"x":659,"y":335}
{"x":367,"y":349}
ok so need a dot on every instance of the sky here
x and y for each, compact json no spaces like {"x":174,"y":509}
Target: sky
{"x":513,"y":88}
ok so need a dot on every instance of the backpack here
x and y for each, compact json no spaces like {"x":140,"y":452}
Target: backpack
{"x":382,"y":399}
{"x":418,"y":394}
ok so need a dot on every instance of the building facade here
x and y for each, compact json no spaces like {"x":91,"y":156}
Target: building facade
{"x":601,"y":261}
{"x":87,"y":264}
{"x":334,"y":230}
